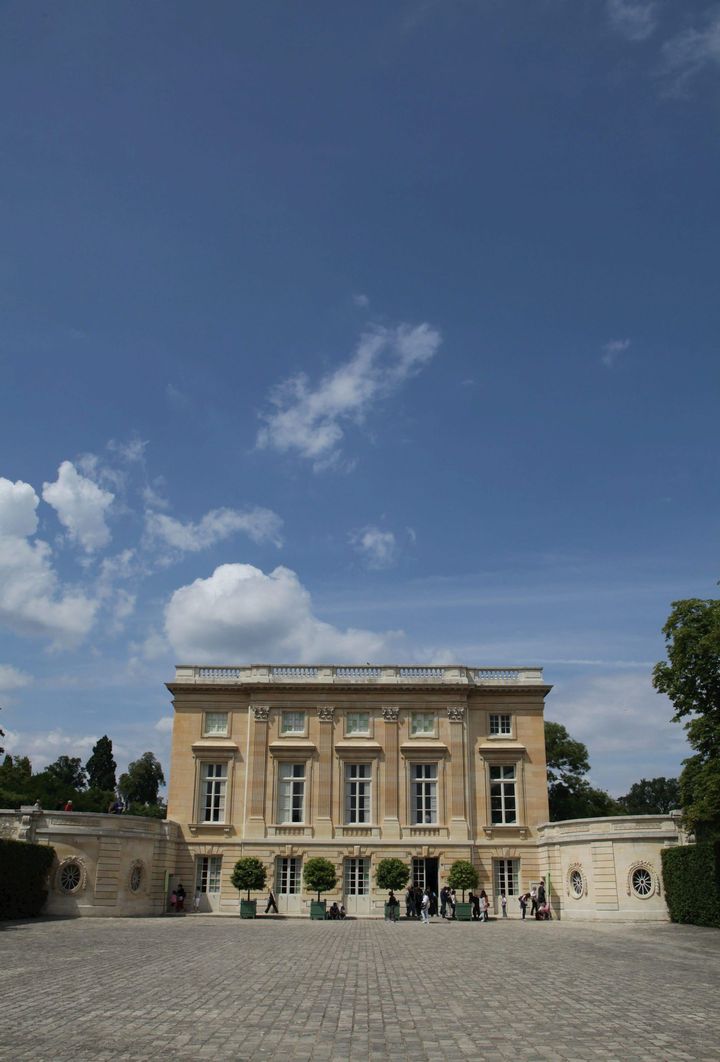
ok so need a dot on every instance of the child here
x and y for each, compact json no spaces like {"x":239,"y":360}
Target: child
{"x":503,"y":904}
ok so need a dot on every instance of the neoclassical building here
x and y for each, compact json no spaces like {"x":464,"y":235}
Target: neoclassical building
{"x":429,"y":764}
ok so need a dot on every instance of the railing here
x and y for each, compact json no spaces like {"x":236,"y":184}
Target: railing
{"x":380,"y":674}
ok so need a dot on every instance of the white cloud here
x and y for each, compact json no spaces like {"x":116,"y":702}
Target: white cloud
{"x":261,"y":525}
{"x":310,"y":421}
{"x":691,"y":52}
{"x":81,"y":507}
{"x":132,"y":451}
{"x":612,"y":351}
{"x":378,"y":548}
{"x":44,"y":747}
{"x":241,"y":614}
{"x":12,"y":679}
{"x":634,"y":19}
{"x":165,"y":725}
{"x":31,"y":598}
{"x":361,"y":300}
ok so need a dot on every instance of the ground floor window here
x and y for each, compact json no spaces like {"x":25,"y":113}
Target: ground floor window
{"x":207,"y":873}
{"x":287,"y":880}
{"x":357,"y":877}
{"x":507,"y":876}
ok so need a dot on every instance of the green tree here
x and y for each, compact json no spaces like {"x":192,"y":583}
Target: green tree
{"x":651,"y":796}
{"x":392,"y":874}
{"x":249,"y":873}
{"x":571,"y":796}
{"x":16,"y":782}
{"x":690,"y":677}
{"x":141,"y":782}
{"x":319,"y":875}
{"x":69,"y":772}
{"x":463,"y":875}
{"x":101,"y":765}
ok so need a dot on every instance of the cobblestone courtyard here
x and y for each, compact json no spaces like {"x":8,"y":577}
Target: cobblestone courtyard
{"x":197,"y":987}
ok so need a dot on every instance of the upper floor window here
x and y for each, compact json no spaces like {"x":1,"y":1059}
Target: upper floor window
{"x":214,"y":783}
{"x":503,"y":808}
{"x":357,"y":723}
{"x":424,"y":793}
{"x":357,"y":792}
{"x":215,"y":724}
{"x":291,"y":792}
{"x":292,"y":723}
{"x":501,"y":724}
{"x":422,"y":724}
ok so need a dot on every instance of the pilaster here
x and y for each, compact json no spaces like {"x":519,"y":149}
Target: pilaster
{"x":391,"y":815}
{"x":458,"y":824}
{"x":323,"y":817}
{"x":257,"y":770}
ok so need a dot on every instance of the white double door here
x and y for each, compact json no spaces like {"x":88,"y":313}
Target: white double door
{"x":357,"y":886}
{"x":288,"y":871}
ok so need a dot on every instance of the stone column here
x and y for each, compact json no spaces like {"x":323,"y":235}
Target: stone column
{"x":458,"y":783}
{"x":257,"y":770}
{"x":323,"y":817}
{"x":391,"y":814}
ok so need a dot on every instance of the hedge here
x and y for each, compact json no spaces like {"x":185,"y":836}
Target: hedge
{"x":691,"y":875}
{"x":24,"y":872}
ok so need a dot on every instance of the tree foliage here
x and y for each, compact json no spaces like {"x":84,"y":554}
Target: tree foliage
{"x":249,"y":873}
{"x":463,"y":875}
{"x":392,"y":874}
{"x":571,"y":795}
{"x":319,"y":875}
{"x":101,"y":765}
{"x":143,"y":780}
{"x":651,"y":796}
{"x":690,"y":677}
{"x":68,"y":771}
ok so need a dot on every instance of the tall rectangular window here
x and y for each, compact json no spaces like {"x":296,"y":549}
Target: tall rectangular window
{"x":422,"y":724}
{"x":291,"y":792}
{"x":292,"y":723}
{"x":207,"y":873}
{"x":501,"y":724}
{"x":214,"y":782}
{"x":357,"y":723}
{"x":503,"y":808}
{"x":507,"y":876}
{"x":216,"y":724}
{"x":357,"y":877}
{"x":424,"y":793}
{"x":358,"y":780}
{"x":287,"y":880}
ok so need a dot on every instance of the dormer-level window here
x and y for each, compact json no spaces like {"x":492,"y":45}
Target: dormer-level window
{"x":357,"y":723}
{"x":215,"y":724}
{"x":293,"y":723}
{"x":501,"y":725}
{"x":422,"y":724}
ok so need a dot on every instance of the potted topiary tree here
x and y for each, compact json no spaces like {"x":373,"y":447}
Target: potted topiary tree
{"x":249,"y":873}
{"x":463,"y":875}
{"x":392,"y":874}
{"x":319,"y":875}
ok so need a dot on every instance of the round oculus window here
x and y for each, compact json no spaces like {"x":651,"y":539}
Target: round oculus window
{"x":135,"y":878}
{"x":642,"y":882}
{"x":70,"y":877}
{"x":577,"y":885}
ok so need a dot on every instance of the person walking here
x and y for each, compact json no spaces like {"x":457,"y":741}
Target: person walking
{"x":444,"y":893}
{"x":475,"y":901}
{"x":425,"y":908}
{"x":410,"y":910}
{"x":533,"y":901}
{"x":503,"y":904}
{"x":271,"y":903}
{"x":452,"y":900}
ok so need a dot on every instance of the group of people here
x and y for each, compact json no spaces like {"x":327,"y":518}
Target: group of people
{"x":539,"y":903}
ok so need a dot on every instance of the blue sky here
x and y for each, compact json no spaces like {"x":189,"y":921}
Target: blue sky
{"x":355,"y":332}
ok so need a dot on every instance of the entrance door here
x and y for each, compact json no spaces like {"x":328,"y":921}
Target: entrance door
{"x":425,"y":874}
{"x":507,"y":877}
{"x":357,"y":886}
{"x":287,"y":884}
{"x":207,"y":882}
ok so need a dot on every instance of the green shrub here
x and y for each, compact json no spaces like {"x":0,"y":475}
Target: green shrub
{"x":691,"y":877}
{"x":463,"y":875}
{"x":24,"y":872}
{"x":319,"y":875}
{"x":392,"y":874}
{"x":249,"y":873}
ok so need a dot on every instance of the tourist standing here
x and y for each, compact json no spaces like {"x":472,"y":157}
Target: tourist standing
{"x":523,"y":903}
{"x":475,"y":901}
{"x":425,"y":908}
{"x":533,"y":901}
{"x":503,"y":904}
{"x":180,"y":898}
{"x":410,"y":911}
{"x":484,"y":906}
{"x":444,"y":893}
{"x":451,"y":902}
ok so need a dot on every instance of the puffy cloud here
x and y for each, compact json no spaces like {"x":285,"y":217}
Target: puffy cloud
{"x":612,"y":351}
{"x":691,"y":52}
{"x":43,"y":747}
{"x":310,"y":421}
{"x":259,"y":524}
{"x":81,"y":507}
{"x":31,"y":599}
{"x":633,"y":19}
{"x":12,"y":679}
{"x":241,"y":614}
{"x":378,"y":548}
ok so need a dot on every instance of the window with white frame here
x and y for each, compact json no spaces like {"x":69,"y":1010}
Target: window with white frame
{"x":422,"y":724}
{"x":357,"y":877}
{"x":501,"y":724}
{"x":424,"y":793}
{"x":216,"y":724}
{"x":214,"y":784}
{"x":357,"y":723}
{"x":507,"y":876}
{"x":207,"y":873}
{"x":358,"y":783}
{"x":503,"y":805}
{"x":291,"y":792}
{"x":287,"y":875}
{"x":292,"y":723}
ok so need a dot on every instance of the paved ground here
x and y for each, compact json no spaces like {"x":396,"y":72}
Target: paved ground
{"x":216,"y":988}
